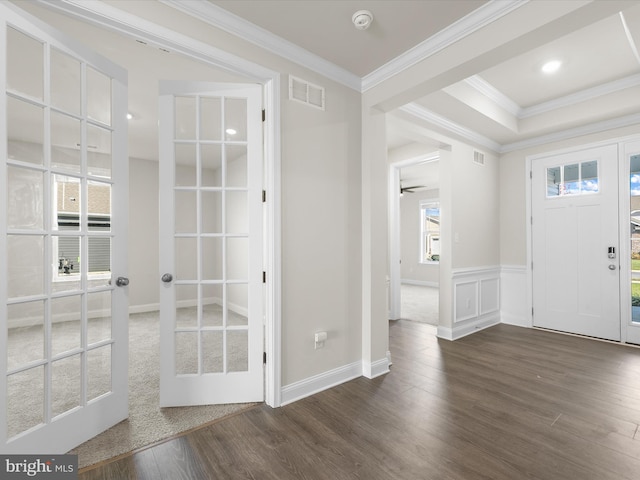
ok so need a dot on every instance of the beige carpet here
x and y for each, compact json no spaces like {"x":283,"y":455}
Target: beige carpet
{"x":420,"y":304}
{"x":147,"y":422}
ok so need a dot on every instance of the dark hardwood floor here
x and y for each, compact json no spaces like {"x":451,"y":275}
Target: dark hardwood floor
{"x":505,"y":403}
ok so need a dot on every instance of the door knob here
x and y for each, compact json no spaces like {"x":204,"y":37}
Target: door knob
{"x":167,"y":277}
{"x":612,"y":267}
{"x":122,"y":281}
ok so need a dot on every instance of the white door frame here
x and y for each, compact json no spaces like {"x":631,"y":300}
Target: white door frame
{"x":623,"y":202}
{"x":395,"y":280}
{"x":106,"y":16}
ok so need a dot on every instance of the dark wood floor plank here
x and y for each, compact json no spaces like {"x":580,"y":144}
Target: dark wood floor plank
{"x":506,"y":403}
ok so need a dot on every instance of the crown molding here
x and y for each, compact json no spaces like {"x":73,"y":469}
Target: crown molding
{"x":452,"y":127}
{"x":224,"y":20}
{"x":485,"y":88}
{"x":581,"y":96}
{"x":479,"y":18}
{"x":98,"y":13}
{"x":589,"y":129}
{"x":475,"y":137}
{"x":495,"y":95}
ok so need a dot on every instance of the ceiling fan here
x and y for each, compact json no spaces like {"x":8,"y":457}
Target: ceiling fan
{"x":410,"y":189}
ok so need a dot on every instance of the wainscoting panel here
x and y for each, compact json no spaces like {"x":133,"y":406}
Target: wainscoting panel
{"x":476,"y":301}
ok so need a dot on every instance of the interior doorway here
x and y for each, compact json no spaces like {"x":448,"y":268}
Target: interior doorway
{"x":414,"y":239}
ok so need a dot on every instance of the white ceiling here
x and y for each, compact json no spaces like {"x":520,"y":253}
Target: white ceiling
{"x":324,"y":27}
{"x":500,"y":105}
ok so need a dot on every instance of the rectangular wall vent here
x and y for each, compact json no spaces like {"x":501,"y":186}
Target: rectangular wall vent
{"x":478,"y":158}
{"x":306,"y":92}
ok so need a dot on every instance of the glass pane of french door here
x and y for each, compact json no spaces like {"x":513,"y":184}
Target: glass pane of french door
{"x":57,"y":238}
{"x":210,"y":191}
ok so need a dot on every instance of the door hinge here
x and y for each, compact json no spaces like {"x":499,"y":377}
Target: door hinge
{"x":264,"y":358}
{"x":530,"y":171}
{"x":264,"y":196}
{"x":264,"y":114}
{"x":264,"y":277}
{"x":532,"y":311}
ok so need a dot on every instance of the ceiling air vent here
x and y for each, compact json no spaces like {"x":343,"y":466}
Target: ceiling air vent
{"x":478,"y":158}
{"x":305,"y":92}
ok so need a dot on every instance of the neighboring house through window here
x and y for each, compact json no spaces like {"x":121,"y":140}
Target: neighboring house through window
{"x":429,"y":231}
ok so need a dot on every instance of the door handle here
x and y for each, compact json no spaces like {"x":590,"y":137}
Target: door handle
{"x":167,"y":277}
{"x":612,"y":267}
{"x":122,"y":281}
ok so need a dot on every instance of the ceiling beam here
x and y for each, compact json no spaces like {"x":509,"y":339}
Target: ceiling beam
{"x":530,"y":26}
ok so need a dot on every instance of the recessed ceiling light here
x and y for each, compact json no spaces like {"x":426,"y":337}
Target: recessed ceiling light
{"x":551,"y":66}
{"x":129,"y":116}
{"x":230,"y":131}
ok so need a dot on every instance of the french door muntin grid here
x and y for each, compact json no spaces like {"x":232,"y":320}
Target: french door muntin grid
{"x":48,"y":234}
{"x":224,"y":282}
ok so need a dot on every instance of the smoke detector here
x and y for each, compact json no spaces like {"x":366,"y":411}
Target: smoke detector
{"x":362,"y":19}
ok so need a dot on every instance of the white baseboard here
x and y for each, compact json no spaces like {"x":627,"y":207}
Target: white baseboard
{"x":420,"y":283}
{"x":467,"y":328}
{"x":150,"y":307}
{"x":377,"y":368}
{"x":309,"y":386}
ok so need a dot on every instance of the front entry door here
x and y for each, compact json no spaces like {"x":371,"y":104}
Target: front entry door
{"x":63,"y":220}
{"x":576,"y":276}
{"x":211,"y":315}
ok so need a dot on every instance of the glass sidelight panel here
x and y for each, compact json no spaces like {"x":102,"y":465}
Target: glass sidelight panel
{"x":634,"y":188}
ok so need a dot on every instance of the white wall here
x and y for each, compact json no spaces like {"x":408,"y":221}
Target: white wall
{"x":143,"y":235}
{"x":411,"y":270}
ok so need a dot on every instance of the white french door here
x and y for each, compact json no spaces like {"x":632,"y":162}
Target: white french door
{"x":576,"y":248}
{"x":63,"y":234}
{"x":211,"y":298}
